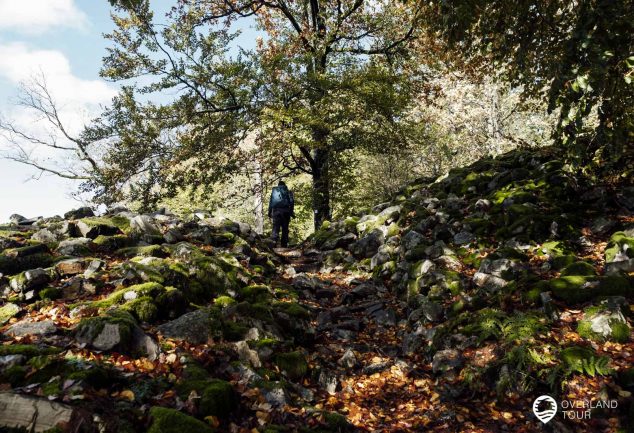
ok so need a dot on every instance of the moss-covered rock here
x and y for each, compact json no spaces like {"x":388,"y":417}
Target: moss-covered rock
{"x":50,"y":293}
{"x":110,"y":243}
{"x":8,"y":311}
{"x":166,"y":420}
{"x":579,"y":288}
{"x":292,"y":364}
{"x":601,"y":323}
{"x":15,"y":265}
{"x":114,"y":329}
{"x":218,"y":398}
{"x":579,"y":268}
{"x":144,"y":309}
{"x":255,"y":293}
{"x":144,"y":251}
{"x":28,"y":350}
{"x":620,"y":247}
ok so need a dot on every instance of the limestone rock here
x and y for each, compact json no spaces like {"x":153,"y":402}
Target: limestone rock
{"x":75,"y":247}
{"x":33,"y":414}
{"x":248,"y":355}
{"x":21,"y":329}
{"x":445,"y":360}
{"x":196,"y":327}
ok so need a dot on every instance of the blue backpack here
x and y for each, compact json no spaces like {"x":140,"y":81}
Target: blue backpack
{"x":281,"y":198}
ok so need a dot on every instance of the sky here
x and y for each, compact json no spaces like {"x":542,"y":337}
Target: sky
{"x":61,"y":40}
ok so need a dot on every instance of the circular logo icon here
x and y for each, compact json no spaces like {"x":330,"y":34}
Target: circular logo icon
{"x":545,"y":408}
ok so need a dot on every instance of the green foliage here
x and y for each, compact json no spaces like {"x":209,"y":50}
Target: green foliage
{"x":582,"y":59}
{"x":578,"y":359}
{"x":166,"y":420}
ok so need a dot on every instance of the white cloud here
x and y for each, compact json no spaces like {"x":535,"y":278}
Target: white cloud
{"x":40,"y":16}
{"x":77,"y":98}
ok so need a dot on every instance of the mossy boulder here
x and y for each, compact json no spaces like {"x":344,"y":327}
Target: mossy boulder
{"x":15,"y":265}
{"x":166,"y":420}
{"x":579,"y":268}
{"x":620,"y":247}
{"x":97,"y":226}
{"x":50,"y":293}
{"x":292,"y":364}
{"x":114,"y":329}
{"x":144,"y":309}
{"x":8,"y":311}
{"x":110,"y":243}
{"x":217,"y":397}
{"x":144,"y":251}
{"x":579,"y":288}
{"x":602,"y":323}
{"x":255,"y":293}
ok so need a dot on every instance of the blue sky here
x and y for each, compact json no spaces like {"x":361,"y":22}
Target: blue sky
{"x":63,"y":40}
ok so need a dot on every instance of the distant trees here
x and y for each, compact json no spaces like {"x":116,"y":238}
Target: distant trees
{"x":576,"y":55}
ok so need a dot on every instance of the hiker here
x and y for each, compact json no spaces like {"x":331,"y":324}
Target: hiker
{"x":281,"y":210}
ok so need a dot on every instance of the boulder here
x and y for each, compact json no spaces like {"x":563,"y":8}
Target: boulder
{"x":29,"y":280}
{"x":7,"y":311}
{"x":90,"y":228}
{"x":33,"y":414}
{"x":248,"y":355}
{"x":463,"y":237}
{"x":411,"y":240}
{"x":489,"y":282}
{"x":82,"y":212}
{"x":16,"y":219}
{"x":445,"y":360}
{"x":71,"y":266}
{"x":196,"y":327}
{"x":368,"y":245}
{"x":75,"y":247}
{"x":21,"y":329}
{"x":144,"y":225}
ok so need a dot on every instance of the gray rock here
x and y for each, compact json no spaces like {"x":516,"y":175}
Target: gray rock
{"x":411,"y":240}
{"x":173,"y":236}
{"x":9,"y":361}
{"x":95,"y":266}
{"x":385,"y":317}
{"x":144,"y":344}
{"x":379,"y":259}
{"x":107,"y":339}
{"x":144,"y":225}
{"x":431,"y":311}
{"x":45,"y":236}
{"x":196,"y":327}
{"x":449,"y":262}
{"x":483,"y":205}
{"x":602,"y":225}
{"x":93,"y":230}
{"x":489,"y":282}
{"x":423,"y":268}
{"x":463,"y":237}
{"x":16,"y":219}
{"x":82,"y":212}
{"x":497,"y":267}
{"x":276,"y":397}
{"x":248,"y":355}
{"x":75,"y":247}
{"x":31,"y":413}
{"x":21,"y":329}
{"x":376,"y":367}
{"x":445,"y":360}
{"x":368,"y":245}
{"x":328,"y":381}
{"x":348,"y":360}
{"x":602,"y":321}
{"x":29,"y":280}
{"x":626,"y":266}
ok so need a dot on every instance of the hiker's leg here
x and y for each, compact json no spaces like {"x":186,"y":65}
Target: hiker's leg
{"x":277,"y":224}
{"x":286,"y":220}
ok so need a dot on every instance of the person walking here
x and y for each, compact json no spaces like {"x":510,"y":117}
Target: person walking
{"x":281,"y":210}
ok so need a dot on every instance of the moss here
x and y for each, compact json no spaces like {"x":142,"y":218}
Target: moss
{"x":112,"y":243}
{"x":579,"y":268}
{"x":50,"y":293}
{"x":15,"y":265}
{"x":224,"y":301}
{"x":51,"y":388}
{"x":14,"y":375}
{"x":151,"y":289}
{"x":619,"y":241}
{"x":218,"y":398}
{"x":143,"y":309}
{"x":336,"y":421}
{"x":166,"y":420}
{"x":28,"y":350}
{"x":8,"y":311}
{"x":620,"y":331}
{"x":120,"y":222}
{"x":259,"y":310}
{"x":255,"y":293}
{"x":145,"y":251}
{"x":233,"y":331}
{"x":293,"y":364}
{"x":293,"y":309}
{"x":91,"y":327}
{"x":573,"y":288}
{"x":171,"y":303}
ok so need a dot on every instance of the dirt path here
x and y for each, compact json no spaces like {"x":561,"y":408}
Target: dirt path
{"x":365,"y":372}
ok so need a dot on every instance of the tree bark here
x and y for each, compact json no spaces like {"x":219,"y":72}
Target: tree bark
{"x":321,"y":186}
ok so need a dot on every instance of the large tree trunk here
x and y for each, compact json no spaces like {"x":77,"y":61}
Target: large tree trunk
{"x":321,"y":186}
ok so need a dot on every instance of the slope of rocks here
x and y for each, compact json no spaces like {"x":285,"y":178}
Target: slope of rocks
{"x":448,"y":309}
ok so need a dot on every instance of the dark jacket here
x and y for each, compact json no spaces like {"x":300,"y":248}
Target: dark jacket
{"x":282,"y":198}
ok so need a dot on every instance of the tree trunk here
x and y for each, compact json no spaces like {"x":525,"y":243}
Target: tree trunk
{"x":259,"y":199}
{"x":321,"y":186}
